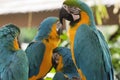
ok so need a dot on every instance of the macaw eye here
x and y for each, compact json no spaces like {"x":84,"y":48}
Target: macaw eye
{"x":74,"y":10}
{"x":59,"y":28}
{"x":65,"y":6}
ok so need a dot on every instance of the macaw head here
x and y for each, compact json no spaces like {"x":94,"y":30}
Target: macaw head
{"x":62,"y":62}
{"x":9,"y":36}
{"x":49,"y":29}
{"x":76,"y":11}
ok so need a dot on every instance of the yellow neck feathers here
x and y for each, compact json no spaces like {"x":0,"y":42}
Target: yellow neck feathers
{"x":72,"y":32}
{"x":16,"y":44}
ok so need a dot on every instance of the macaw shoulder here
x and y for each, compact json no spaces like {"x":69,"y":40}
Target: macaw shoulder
{"x":85,"y":35}
{"x":85,"y":30}
{"x":35,"y":49}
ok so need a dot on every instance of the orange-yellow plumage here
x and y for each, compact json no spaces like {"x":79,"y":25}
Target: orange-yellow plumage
{"x":72,"y":33}
{"x":15,"y":44}
{"x":50,"y":44}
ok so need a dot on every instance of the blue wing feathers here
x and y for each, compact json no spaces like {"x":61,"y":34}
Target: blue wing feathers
{"x":109,"y":67}
{"x":91,"y":56}
{"x":35,"y":52}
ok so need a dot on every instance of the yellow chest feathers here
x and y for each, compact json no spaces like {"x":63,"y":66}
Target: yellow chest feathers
{"x":72,"y":31}
{"x":50,"y":43}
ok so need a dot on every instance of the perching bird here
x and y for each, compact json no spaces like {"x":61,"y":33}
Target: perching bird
{"x":13,"y":60}
{"x":39,"y":51}
{"x":62,"y":62}
{"x":89,"y":49}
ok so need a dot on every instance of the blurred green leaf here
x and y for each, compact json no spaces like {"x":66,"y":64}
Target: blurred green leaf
{"x":27,"y":34}
{"x":98,"y":18}
{"x":64,"y":36}
{"x":115,"y":58}
{"x":48,"y":79}
{"x":52,"y":70}
{"x":100,"y":12}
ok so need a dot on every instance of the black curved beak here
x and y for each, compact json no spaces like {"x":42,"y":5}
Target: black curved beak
{"x":65,"y":15}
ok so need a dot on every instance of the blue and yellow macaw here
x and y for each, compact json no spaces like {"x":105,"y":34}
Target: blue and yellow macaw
{"x":64,"y":65}
{"x":13,"y":60}
{"x":90,"y":51}
{"x":39,"y":51}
